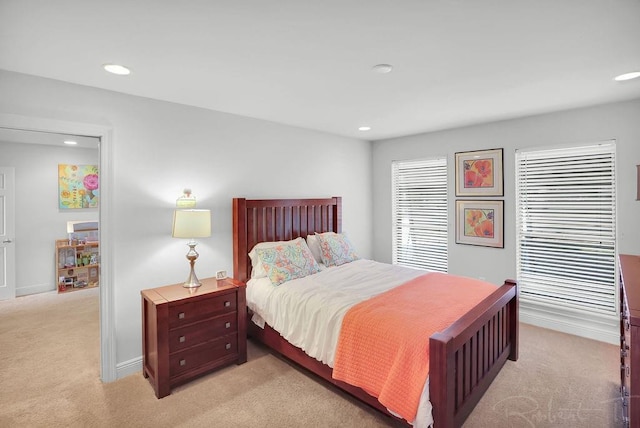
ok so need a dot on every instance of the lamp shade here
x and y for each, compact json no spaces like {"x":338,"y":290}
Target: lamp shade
{"x":191,"y":224}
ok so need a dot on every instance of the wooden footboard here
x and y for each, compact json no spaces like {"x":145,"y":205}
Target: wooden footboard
{"x":467,"y":356}
{"x":464,"y":359}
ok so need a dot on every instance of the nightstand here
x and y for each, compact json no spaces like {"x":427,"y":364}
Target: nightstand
{"x":189,"y":332}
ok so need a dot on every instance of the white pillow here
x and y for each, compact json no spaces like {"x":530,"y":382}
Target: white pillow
{"x":257,"y":270}
{"x":314,"y":246}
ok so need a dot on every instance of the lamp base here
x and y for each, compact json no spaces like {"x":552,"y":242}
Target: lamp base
{"x":192,"y":280}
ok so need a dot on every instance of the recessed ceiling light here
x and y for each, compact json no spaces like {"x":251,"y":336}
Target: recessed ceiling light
{"x":627,"y":76}
{"x":71,"y":143}
{"x":364,"y":128}
{"x":382,"y":68}
{"x":117,"y":69}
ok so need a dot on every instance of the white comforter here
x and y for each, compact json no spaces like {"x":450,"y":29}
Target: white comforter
{"x":308,"y":311}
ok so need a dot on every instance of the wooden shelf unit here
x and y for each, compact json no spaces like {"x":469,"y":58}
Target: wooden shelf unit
{"x":77,"y":265}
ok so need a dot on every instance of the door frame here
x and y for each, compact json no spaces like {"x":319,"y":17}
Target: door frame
{"x":108,"y":371}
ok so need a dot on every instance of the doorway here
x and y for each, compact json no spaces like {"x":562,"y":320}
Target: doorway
{"x":103,"y":134}
{"x":35,"y":158}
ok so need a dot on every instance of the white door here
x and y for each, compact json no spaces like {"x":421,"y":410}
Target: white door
{"x":7,"y":234}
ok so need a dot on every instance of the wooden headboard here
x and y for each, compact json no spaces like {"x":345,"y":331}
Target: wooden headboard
{"x":260,"y":220}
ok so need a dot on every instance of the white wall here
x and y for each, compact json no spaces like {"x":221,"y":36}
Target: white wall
{"x":159,"y":148}
{"x":39,"y":222}
{"x":617,"y":121}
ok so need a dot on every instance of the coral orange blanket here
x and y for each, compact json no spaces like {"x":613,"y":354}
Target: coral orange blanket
{"x":384,"y":341}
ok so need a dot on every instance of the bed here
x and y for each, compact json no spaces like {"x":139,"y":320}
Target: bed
{"x":464,"y":358}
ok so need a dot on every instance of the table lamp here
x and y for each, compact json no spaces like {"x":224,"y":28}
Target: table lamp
{"x":191,"y":224}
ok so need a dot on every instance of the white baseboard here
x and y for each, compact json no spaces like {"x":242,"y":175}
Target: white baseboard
{"x":34,"y":289}
{"x":601,"y":330}
{"x":128,"y":368}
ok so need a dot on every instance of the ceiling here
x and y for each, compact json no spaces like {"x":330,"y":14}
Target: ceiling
{"x":309,"y":63}
{"x":8,"y":135}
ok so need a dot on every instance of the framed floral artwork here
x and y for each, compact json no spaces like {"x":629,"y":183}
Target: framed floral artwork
{"x":479,"y":173}
{"x":480,"y":222}
{"x":78,"y":186}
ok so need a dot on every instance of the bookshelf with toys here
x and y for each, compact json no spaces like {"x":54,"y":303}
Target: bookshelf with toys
{"x":78,"y":258}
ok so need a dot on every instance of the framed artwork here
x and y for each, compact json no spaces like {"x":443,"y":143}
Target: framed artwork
{"x":479,"y":173}
{"x":480,"y":222}
{"x":78,"y":186}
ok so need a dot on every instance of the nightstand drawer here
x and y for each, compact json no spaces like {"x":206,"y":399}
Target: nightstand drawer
{"x":202,"y":331}
{"x":189,"y":312}
{"x":207,"y":353}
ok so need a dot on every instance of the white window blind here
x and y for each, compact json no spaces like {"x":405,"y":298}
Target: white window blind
{"x":566,"y":219}
{"x":420,"y":236}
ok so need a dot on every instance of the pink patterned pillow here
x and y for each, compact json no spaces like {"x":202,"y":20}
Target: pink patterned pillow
{"x":336,"y":249}
{"x":287,"y":261}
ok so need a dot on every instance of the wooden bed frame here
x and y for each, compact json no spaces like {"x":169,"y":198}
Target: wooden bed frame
{"x":464,"y":358}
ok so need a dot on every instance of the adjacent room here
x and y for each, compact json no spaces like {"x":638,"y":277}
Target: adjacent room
{"x":250,"y":179}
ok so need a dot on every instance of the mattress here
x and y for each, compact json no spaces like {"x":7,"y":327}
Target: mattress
{"x":308,"y":311}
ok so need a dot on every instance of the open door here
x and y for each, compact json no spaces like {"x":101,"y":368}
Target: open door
{"x":7,"y":234}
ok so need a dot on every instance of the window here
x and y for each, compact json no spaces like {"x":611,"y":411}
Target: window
{"x":566,"y":220}
{"x":420,"y":213}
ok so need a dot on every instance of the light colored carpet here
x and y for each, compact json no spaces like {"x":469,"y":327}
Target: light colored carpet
{"x":559,"y":380}
{"x":49,"y":354}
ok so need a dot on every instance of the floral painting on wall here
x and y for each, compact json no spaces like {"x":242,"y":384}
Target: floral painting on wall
{"x":480,"y":222}
{"x":479,"y":173}
{"x":78,"y":186}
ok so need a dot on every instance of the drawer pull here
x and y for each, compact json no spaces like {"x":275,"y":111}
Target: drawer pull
{"x":628,"y":370}
{"x":228,"y":346}
{"x":227,"y":325}
{"x":182,"y":339}
{"x":181,"y":316}
{"x":227,"y":304}
{"x":183,"y":362}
